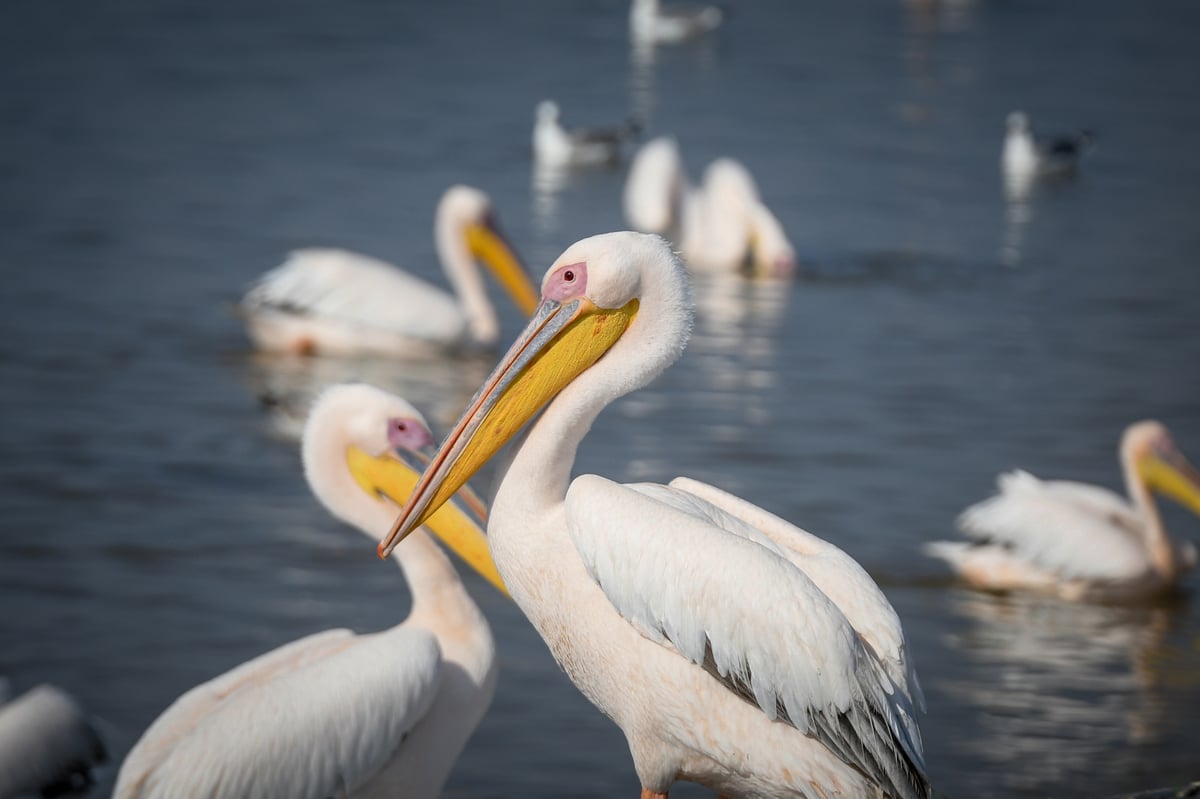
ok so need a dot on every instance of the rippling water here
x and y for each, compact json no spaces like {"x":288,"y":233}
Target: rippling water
{"x":156,"y":156}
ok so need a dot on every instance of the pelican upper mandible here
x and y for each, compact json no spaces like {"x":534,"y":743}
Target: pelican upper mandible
{"x":732,"y":648}
{"x":1079,"y":541}
{"x":336,"y":302}
{"x":339,"y":714}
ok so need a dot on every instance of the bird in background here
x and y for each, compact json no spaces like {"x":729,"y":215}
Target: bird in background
{"x":1025,"y":156}
{"x":1079,"y":541}
{"x":651,"y":23}
{"x":556,"y":147}
{"x":335,"y":713}
{"x":732,"y":648}
{"x":47,"y":745}
{"x":720,"y":225}
{"x":336,"y":302}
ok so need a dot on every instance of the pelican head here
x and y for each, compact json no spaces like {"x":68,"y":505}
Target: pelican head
{"x":1148,"y":446}
{"x":589,"y":320}
{"x":382,"y":443}
{"x":465,"y":213}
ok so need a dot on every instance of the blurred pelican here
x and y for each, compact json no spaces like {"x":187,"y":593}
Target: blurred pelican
{"x":650,"y":22}
{"x":732,"y":648}
{"x":1023,"y":157}
{"x":1079,"y":541}
{"x":554,"y":146}
{"x":334,"y":713}
{"x":721,"y":225}
{"x":47,"y":747}
{"x":338,"y":302}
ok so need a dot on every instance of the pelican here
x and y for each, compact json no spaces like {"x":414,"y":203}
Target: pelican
{"x":1079,"y":541}
{"x":336,"y":302}
{"x":651,"y":24}
{"x":47,"y":746}
{"x":334,"y":713}
{"x":721,"y":225}
{"x":1024,"y":157}
{"x":554,"y":146}
{"x":733,"y":649}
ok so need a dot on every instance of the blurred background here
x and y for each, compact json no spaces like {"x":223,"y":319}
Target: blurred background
{"x":156,"y":157}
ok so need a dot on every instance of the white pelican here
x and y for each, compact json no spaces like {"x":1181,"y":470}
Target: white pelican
{"x":47,"y":746}
{"x":732,"y":648}
{"x":1023,"y":157}
{"x":1079,"y":541}
{"x":335,"y":713}
{"x":336,"y":302}
{"x":650,"y":23}
{"x":554,"y":146}
{"x":721,"y":225}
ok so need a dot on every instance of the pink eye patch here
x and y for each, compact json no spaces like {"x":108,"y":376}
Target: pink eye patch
{"x":569,"y":281}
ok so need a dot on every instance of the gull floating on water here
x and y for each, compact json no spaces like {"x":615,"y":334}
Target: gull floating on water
{"x":554,"y":146}
{"x":336,"y":302}
{"x":1024,"y":156}
{"x":649,"y":22}
{"x":339,"y":714}
{"x":47,"y":746}
{"x":723,"y":224}
{"x":733,"y":649}
{"x":1079,"y":541}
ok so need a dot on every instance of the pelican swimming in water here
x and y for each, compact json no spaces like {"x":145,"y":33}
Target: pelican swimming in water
{"x":732,"y":648}
{"x":339,"y":714}
{"x":650,"y":23}
{"x":1079,"y":541}
{"x":1025,"y":157}
{"x":554,"y":146}
{"x":721,"y":225}
{"x":335,"y":302}
{"x":47,"y":746}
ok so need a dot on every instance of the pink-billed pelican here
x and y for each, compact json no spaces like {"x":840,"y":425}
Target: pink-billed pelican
{"x":47,"y":746}
{"x":650,"y":23}
{"x":732,"y":648}
{"x":721,"y":225}
{"x":334,"y":713}
{"x":1079,"y":541}
{"x":556,"y":147}
{"x":336,"y":302}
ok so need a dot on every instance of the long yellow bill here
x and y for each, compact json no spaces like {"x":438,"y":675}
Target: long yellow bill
{"x":1170,"y":473}
{"x":560,"y":341}
{"x":388,"y":476}
{"x":489,"y":246}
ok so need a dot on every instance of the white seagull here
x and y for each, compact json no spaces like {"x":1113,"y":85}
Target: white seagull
{"x":1079,"y":541}
{"x":336,"y":302}
{"x":339,"y":714}
{"x":1023,"y":157}
{"x":732,"y":648}
{"x":721,"y":225}
{"x":556,"y":147}
{"x":652,"y":24}
{"x":47,"y":746}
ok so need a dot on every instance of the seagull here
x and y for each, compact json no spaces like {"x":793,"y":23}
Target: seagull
{"x":554,"y":146}
{"x":649,"y":23}
{"x":1025,"y":156}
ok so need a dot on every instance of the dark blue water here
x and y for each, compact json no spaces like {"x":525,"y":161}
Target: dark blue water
{"x":156,"y":156}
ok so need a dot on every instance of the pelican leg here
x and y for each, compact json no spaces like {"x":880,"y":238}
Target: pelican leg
{"x":649,"y":794}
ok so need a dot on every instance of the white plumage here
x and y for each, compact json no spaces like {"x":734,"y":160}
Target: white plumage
{"x":337,"y":302}
{"x":1076,"y":540}
{"x":733,"y":649}
{"x":556,"y":147}
{"x":723,"y":224}
{"x":650,"y":23}
{"x":47,"y":746}
{"x":335,"y":713}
